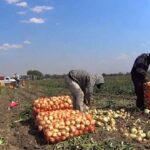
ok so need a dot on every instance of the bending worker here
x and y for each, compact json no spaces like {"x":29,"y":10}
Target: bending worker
{"x":81,"y":85}
{"x":138,"y":76}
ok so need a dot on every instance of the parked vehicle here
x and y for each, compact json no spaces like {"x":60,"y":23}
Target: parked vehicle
{"x":8,"y":80}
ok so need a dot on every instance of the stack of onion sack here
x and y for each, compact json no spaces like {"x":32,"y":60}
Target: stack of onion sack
{"x":62,"y":122}
{"x":44,"y":104}
{"x":147,"y":95}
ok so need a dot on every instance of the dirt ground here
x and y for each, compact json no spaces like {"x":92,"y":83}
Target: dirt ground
{"x":23,"y":135}
{"x":17,"y":135}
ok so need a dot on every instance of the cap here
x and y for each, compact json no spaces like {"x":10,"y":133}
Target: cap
{"x":99,"y":79}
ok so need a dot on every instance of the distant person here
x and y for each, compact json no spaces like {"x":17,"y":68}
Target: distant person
{"x":81,"y":84}
{"x":138,"y":76}
{"x":17,"y":78}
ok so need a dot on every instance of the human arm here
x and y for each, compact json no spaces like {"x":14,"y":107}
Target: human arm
{"x":141,"y":66}
{"x":88,"y":95}
{"x":140,"y":70}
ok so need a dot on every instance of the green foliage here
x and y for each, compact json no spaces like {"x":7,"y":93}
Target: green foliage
{"x":23,"y":116}
{"x":26,"y":114}
{"x":118,"y":85}
{"x":2,"y":141}
{"x":115,"y":85}
{"x":35,"y":74}
{"x":53,"y":87}
{"x":87,"y":142}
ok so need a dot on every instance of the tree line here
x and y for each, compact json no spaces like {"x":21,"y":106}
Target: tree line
{"x":38,"y":75}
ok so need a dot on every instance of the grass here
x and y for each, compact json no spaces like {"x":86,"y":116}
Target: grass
{"x":115,"y":85}
{"x":52,"y":87}
{"x":86,"y":142}
{"x":118,"y":85}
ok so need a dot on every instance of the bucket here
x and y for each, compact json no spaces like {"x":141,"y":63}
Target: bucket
{"x":147,"y":95}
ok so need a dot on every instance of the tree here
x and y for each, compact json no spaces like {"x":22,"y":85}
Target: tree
{"x":47,"y":76}
{"x":35,"y":74}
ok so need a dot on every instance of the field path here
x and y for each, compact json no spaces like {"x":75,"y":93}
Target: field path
{"x":6,"y":117}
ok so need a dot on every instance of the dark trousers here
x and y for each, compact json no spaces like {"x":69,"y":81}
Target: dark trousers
{"x":17,"y":83}
{"x":139,"y":91}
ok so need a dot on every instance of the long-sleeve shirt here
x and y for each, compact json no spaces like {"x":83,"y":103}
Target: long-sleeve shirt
{"x":140,"y":66}
{"x":86,"y":81}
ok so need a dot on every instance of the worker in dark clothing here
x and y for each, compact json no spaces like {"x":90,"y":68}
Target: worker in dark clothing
{"x":81,"y":84}
{"x":138,"y":76}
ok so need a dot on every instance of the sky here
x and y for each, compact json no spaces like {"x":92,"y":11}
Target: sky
{"x":56,"y":36}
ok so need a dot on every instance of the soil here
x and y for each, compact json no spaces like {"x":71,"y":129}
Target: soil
{"x":17,"y":135}
{"x":23,"y":135}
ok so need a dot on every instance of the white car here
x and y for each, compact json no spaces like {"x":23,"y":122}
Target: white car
{"x":8,"y":80}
